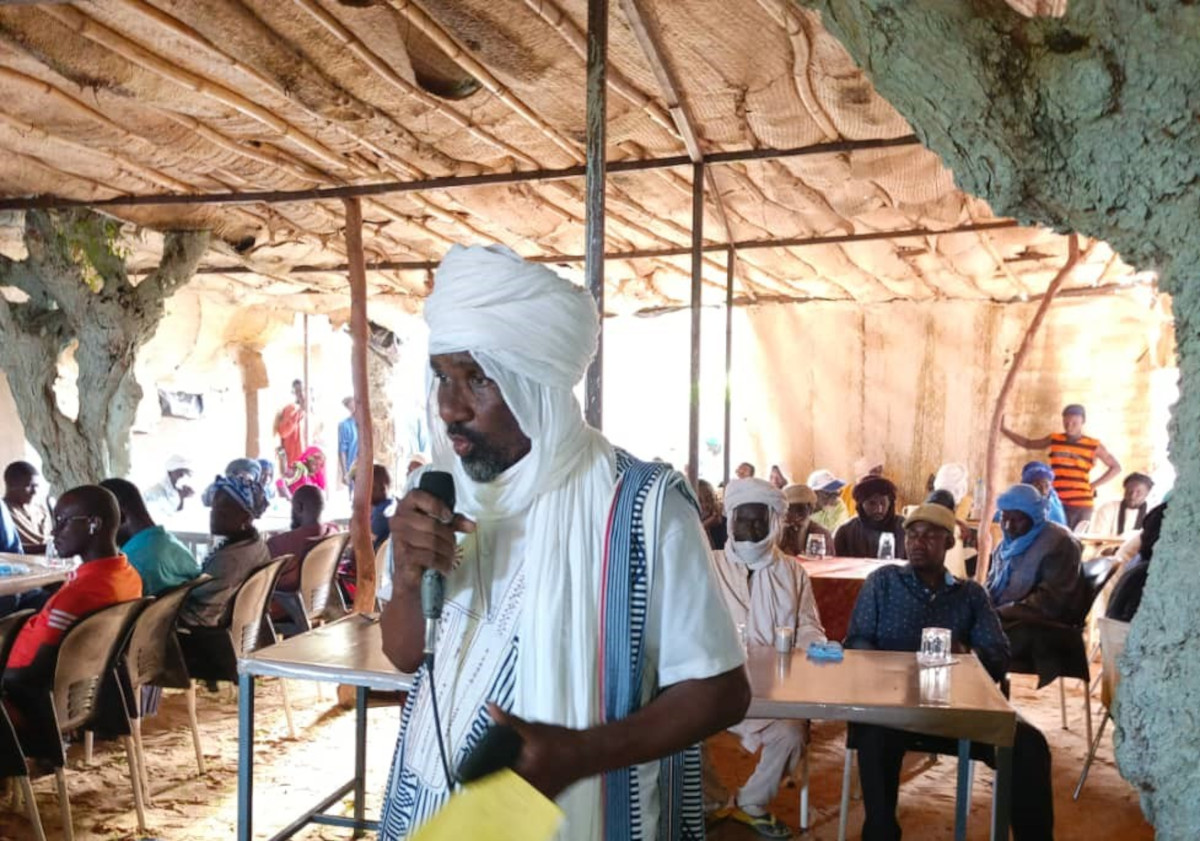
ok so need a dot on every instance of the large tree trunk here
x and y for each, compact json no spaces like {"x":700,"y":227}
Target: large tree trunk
{"x":1085,"y":123}
{"x":78,"y":290}
{"x":381,"y":363}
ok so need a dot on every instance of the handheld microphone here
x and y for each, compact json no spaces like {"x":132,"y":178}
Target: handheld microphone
{"x":433,"y":583}
{"x":500,"y":746}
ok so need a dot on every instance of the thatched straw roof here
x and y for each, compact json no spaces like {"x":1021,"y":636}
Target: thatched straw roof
{"x":137,"y":97}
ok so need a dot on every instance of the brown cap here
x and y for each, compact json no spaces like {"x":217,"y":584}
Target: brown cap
{"x":937,"y":515}
{"x":796,"y":494}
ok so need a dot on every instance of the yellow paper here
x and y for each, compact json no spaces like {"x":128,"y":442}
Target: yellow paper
{"x":502,"y":807}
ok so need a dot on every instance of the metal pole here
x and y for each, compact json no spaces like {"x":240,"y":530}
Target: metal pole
{"x":730,"y":258}
{"x":594,"y":184}
{"x":648,"y":253}
{"x":452,"y":182}
{"x":360,"y":759}
{"x":245,"y":798}
{"x":693,"y":470}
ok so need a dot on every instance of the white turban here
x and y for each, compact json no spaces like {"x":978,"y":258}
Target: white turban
{"x":952,"y":477}
{"x":486,"y":299}
{"x":750,"y":491}
{"x":533,"y":333}
{"x":758,"y":554}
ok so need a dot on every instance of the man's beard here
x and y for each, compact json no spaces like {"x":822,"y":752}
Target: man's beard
{"x":879,"y":523}
{"x":484,"y":463}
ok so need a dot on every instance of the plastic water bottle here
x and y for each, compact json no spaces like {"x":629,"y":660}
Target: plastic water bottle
{"x":52,"y":559}
{"x":887,"y":547}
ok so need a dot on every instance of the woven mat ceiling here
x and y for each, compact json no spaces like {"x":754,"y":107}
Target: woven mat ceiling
{"x":134,"y":97}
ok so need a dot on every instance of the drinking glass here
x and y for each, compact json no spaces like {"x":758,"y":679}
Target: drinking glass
{"x":887,"y":546}
{"x":816,"y":546}
{"x":935,"y":686}
{"x":935,"y":647}
{"x":783,"y":638}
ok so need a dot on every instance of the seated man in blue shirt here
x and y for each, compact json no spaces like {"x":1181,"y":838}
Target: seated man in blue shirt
{"x":382,"y":502}
{"x":160,"y":559}
{"x":895,"y":604}
{"x":10,"y":541}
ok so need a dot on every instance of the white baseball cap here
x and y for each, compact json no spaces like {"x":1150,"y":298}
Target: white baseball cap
{"x":824,"y":481}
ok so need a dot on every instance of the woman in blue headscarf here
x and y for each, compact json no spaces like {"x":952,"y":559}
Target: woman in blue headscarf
{"x":1041,"y":476}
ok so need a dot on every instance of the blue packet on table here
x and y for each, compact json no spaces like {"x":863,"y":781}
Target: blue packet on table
{"x":7,"y":569}
{"x":825,"y":652}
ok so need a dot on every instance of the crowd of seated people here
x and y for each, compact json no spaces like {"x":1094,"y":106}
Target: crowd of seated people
{"x":1035,"y":581}
{"x":120,"y":552}
{"x":756,"y":528}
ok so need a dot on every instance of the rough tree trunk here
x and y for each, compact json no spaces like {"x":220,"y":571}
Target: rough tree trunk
{"x":79,"y":291}
{"x":1085,"y":123}
{"x":381,"y":363}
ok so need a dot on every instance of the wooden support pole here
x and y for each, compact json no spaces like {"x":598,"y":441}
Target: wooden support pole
{"x":990,"y":471}
{"x":693,"y":466}
{"x":364,"y":466}
{"x":594,"y":186}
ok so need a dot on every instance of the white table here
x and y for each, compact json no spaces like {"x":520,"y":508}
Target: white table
{"x":39,"y":574}
{"x":885,"y":688}
{"x":348,"y":651}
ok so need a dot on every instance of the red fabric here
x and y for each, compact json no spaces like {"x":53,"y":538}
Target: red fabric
{"x":94,"y":585}
{"x":287,"y":427}
{"x":836,"y":583}
{"x":835,"y":602}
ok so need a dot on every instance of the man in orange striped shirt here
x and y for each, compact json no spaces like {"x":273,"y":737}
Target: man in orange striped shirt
{"x":1073,"y":455}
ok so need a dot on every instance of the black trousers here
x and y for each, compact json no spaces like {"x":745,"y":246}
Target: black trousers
{"x":880,"y":754}
{"x":1076,"y":514}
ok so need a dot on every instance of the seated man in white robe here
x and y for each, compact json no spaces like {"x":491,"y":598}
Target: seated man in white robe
{"x":764,"y":589}
{"x":580,"y":605}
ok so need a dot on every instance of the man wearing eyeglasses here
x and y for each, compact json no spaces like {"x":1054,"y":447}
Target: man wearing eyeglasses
{"x":85,"y":525}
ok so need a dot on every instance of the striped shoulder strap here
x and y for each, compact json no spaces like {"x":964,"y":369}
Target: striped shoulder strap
{"x":627,"y":576}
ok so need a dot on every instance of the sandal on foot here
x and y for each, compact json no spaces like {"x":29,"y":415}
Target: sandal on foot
{"x":766,"y":825}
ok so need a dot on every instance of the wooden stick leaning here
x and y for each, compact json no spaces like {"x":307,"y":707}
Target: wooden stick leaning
{"x":989,"y":499}
{"x":364,"y":465}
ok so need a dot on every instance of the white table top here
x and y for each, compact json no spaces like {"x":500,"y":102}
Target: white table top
{"x":881,"y":687}
{"x":348,"y":651}
{"x":39,"y":576}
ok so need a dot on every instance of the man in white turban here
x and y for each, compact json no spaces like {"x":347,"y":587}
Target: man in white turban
{"x":166,"y":498}
{"x":764,"y":589}
{"x":580,"y":608}
{"x":953,"y":477}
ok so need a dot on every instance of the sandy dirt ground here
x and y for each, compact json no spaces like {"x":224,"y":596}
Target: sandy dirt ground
{"x":290,"y":774}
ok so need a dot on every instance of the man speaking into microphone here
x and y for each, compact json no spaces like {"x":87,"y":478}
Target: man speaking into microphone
{"x":580,"y":606}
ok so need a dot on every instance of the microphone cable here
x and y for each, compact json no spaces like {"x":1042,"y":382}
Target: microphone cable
{"x":437,"y":723}
{"x":440,"y":485}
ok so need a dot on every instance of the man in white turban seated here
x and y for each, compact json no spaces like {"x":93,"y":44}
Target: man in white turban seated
{"x":764,"y":589}
{"x":581,"y":608}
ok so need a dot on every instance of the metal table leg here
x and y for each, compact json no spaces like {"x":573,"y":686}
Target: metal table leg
{"x":962,"y":802}
{"x":245,"y":756}
{"x":360,"y":758}
{"x":1002,"y":794}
